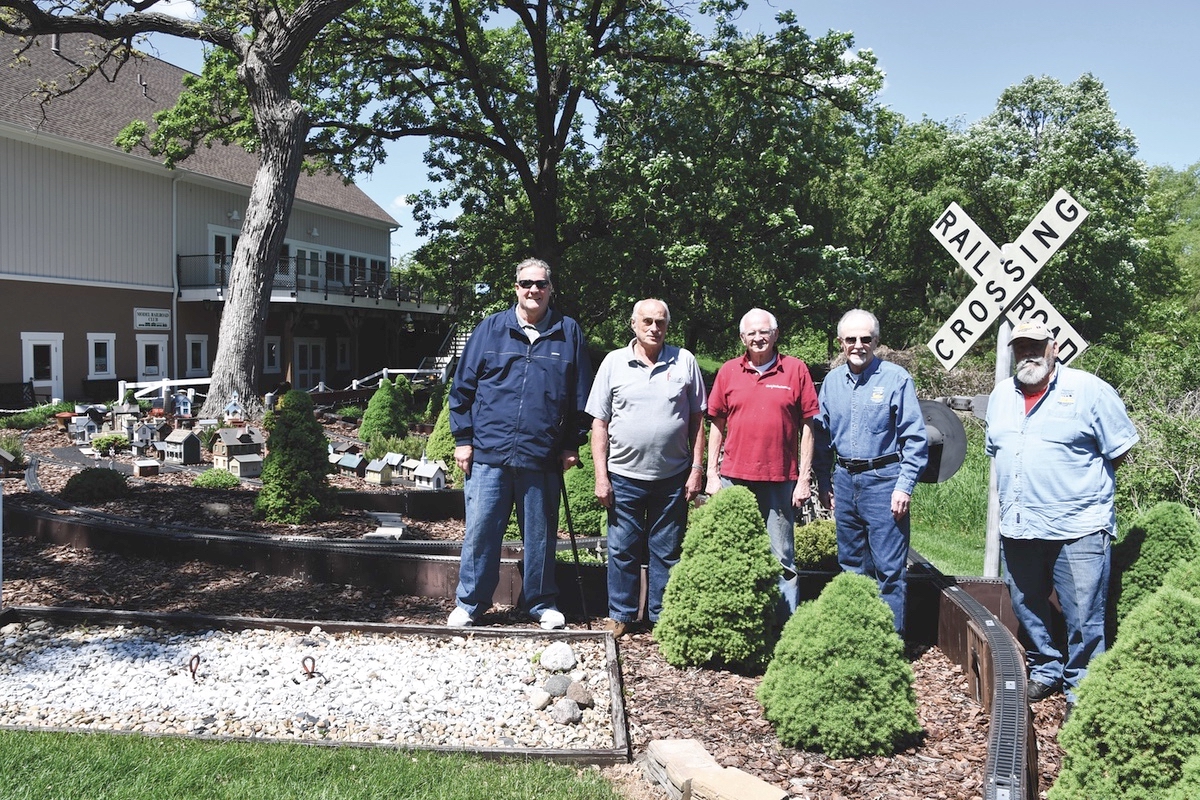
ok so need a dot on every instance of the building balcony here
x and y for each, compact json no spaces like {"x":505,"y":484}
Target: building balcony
{"x":299,"y":280}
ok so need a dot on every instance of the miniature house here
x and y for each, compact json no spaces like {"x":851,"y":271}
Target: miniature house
{"x":231,"y":442}
{"x":379,"y":472}
{"x":182,"y":447}
{"x":352,"y":464}
{"x":233,"y":411}
{"x":344,"y":448}
{"x":246,"y":465}
{"x":431,"y":475}
{"x":409,"y":468}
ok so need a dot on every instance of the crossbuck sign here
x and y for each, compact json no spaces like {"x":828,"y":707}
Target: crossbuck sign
{"x":1004,"y":277}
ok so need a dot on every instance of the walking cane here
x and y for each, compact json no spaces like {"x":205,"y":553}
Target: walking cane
{"x":562,"y":481}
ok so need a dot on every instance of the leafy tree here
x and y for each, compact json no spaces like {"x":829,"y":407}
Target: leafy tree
{"x":294,"y":484}
{"x":517,"y":98}
{"x":248,"y":93}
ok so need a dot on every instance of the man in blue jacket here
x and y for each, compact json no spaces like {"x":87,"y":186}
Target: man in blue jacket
{"x":517,"y":416}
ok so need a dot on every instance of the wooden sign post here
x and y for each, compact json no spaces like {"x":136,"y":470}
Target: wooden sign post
{"x":1004,"y":290}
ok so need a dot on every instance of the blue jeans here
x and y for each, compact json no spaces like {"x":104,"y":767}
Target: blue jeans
{"x":775,"y":504}
{"x":490,"y":493}
{"x":1077,"y":570}
{"x":870,"y":541}
{"x":645,"y":524}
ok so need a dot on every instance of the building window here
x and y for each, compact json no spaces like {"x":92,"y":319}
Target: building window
{"x":197,"y":355}
{"x":101,"y":355}
{"x":271,"y":350}
{"x":343,"y":354}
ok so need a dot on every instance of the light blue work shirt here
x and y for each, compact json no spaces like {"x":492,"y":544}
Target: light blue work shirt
{"x":649,"y":409}
{"x":1054,"y":465}
{"x":872,"y":414}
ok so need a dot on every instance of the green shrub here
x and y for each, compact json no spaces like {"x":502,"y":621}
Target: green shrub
{"x":216,"y":479}
{"x":208,"y":435}
{"x":410,"y":446}
{"x":34,"y":417}
{"x":13,"y":444}
{"x":353,"y":413}
{"x":816,"y":545}
{"x":719,"y":607}
{"x":95,"y":485}
{"x":441,"y":445}
{"x":295,"y":488}
{"x":437,"y":398}
{"x":838,"y":681}
{"x":1188,"y":787}
{"x":1137,"y":720}
{"x":117,"y":442}
{"x":1166,"y":535}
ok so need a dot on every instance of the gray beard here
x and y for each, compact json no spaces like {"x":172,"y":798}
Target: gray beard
{"x":1032,"y":371}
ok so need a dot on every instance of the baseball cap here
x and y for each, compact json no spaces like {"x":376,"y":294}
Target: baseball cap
{"x":1031,"y":329}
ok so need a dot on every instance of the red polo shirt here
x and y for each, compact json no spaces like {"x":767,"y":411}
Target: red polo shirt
{"x":762,"y":416}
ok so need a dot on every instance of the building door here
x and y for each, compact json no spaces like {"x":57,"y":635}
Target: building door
{"x":309,"y":363}
{"x":152,"y":356}
{"x":42,"y":363}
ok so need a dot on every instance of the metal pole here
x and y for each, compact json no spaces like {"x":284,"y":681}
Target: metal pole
{"x":562,"y":481}
{"x":991,"y":548}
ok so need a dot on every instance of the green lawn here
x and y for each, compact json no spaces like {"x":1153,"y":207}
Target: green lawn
{"x":949,"y":520}
{"x":37,"y":766}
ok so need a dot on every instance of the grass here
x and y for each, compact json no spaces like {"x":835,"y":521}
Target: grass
{"x":39,"y":766}
{"x":949,"y":520}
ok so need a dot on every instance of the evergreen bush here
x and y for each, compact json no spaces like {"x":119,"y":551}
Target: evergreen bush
{"x":14,"y":445}
{"x":411,"y":446}
{"x":1166,"y":535}
{"x":816,"y":545}
{"x":719,"y":607}
{"x":403,"y":390}
{"x":441,"y":445}
{"x":838,"y":681}
{"x":1137,"y":720}
{"x":437,"y":398}
{"x":216,"y":479}
{"x":117,"y":442}
{"x":294,"y":477}
{"x":95,"y":485}
{"x":383,"y":416}
{"x":1188,"y":786}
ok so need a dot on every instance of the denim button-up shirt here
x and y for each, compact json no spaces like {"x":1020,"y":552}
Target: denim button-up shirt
{"x":1054,"y":464}
{"x":872,"y":414}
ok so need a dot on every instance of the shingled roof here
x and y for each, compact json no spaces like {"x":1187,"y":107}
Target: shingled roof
{"x":94,"y":113}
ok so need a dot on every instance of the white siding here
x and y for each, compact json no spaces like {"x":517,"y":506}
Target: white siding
{"x":64,"y":217}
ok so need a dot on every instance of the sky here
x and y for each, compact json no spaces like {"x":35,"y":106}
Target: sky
{"x":949,"y":61}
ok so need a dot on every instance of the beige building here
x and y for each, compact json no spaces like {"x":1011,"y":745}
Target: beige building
{"x":114,"y":267}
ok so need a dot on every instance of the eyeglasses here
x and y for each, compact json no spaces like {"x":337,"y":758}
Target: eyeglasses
{"x":857,"y":339}
{"x":528,"y":284}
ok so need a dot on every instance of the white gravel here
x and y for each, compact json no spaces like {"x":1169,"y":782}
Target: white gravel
{"x":399,"y":689}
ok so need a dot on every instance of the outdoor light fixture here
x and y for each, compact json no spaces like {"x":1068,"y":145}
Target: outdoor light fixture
{"x":234,"y":216}
{"x":313,"y":232}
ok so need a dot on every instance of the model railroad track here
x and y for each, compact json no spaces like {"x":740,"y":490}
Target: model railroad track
{"x":959,"y":623}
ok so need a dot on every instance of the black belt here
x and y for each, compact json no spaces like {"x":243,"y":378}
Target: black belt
{"x":857,"y":465}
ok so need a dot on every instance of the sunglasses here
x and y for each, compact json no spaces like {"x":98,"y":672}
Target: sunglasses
{"x":857,"y":339}
{"x":528,"y":284}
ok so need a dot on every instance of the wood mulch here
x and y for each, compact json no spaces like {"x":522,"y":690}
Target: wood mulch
{"x":716,"y":707}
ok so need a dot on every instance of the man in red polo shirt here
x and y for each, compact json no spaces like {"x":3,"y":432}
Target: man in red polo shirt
{"x":761,"y":408}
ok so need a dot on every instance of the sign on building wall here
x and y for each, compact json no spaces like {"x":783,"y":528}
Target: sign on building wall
{"x":152,"y":319}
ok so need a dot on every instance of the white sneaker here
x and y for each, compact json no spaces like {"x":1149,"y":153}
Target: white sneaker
{"x":551,"y":619}
{"x":459,"y":618}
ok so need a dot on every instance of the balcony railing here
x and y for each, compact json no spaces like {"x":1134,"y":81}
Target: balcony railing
{"x":300,"y":276}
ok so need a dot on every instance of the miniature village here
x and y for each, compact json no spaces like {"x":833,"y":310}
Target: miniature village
{"x":170,"y":434}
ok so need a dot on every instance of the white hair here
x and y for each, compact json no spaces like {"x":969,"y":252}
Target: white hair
{"x":858,"y":312}
{"x":752,"y":312}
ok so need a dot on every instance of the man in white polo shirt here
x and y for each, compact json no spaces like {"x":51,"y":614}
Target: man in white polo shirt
{"x":647,"y":406}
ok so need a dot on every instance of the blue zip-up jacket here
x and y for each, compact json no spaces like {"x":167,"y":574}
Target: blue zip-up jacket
{"x":520,"y":404}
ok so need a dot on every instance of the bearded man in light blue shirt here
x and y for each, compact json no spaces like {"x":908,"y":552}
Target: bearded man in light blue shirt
{"x":1057,"y":435}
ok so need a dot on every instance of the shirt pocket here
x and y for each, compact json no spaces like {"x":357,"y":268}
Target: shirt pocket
{"x":877,"y":416}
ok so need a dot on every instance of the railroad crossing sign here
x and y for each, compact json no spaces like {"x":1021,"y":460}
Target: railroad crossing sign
{"x":1004,"y":277}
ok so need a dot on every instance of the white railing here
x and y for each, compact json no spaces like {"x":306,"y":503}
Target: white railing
{"x":372,"y":381}
{"x":161,"y":388}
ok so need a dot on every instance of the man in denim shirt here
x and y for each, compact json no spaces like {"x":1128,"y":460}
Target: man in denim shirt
{"x":870,"y":416}
{"x":1057,"y":434}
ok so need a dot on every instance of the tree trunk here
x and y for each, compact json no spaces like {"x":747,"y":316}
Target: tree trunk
{"x":283,"y":128}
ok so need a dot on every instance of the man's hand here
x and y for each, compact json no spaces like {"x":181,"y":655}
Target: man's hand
{"x":570,"y":458}
{"x":714,"y":484}
{"x":463,"y":454}
{"x":825,"y":497}
{"x":604,"y":492}
{"x":692,"y":488}
{"x":802,"y":494}
{"x":900,"y":502}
